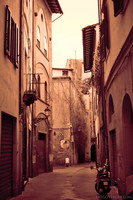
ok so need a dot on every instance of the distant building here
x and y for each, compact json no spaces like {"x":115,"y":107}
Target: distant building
{"x":69,"y":114}
{"x":90,"y":35}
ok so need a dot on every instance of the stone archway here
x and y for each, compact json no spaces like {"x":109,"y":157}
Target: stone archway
{"x":127,"y":136}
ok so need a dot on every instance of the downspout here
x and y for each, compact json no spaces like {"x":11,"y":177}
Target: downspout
{"x":104,"y":105}
{"x":32,"y":106}
{"x":20,"y":110}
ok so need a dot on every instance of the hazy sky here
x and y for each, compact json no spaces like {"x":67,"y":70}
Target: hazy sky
{"x":67,"y":30}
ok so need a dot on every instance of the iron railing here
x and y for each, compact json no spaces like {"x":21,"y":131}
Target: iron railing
{"x":31,"y":83}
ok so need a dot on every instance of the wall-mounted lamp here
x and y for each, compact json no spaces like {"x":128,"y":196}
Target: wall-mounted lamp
{"x":45,"y":118}
{"x":47,"y":111}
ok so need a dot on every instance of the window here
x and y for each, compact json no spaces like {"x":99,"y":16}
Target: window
{"x":45,"y":46}
{"x":118,"y":7}
{"x":98,"y":140}
{"x":42,"y":17}
{"x":27,"y":3}
{"x":65,"y":73}
{"x":104,"y":28}
{"x":45,"y":91}
{"x":38,"y":80}
{"x":8,"y":31}
{"x":11,"y":38}
{"x":38,"y":36}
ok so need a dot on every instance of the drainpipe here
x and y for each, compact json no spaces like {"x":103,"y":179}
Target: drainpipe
{"x":104,"y":108}
{"x":32,"y":106}
{"x":21,"y":111}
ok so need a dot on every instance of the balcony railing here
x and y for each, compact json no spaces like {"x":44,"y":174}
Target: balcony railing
{"x":31,"y":89}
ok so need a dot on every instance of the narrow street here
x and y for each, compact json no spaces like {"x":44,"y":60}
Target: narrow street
{"x":66,"y":183}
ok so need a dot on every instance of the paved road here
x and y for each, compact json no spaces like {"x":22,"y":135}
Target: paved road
{"x":69,"y":183}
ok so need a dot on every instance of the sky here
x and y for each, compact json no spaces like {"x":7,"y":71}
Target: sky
{"x":67,"y":30}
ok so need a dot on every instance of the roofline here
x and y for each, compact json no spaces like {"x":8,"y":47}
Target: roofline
{"x":62,"y":69}
{"x":62,"y":77}
{"x":93,"y":25}
{"x":55,"y":6}
{"x":88,"y":36}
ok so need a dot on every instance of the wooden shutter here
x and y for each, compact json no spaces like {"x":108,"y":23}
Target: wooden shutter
{"x":106,"y":24}
{"x":8,"y":32}
{"x":103,"y":47}
{"x":16,"y":46}
{"x":12,"y":56}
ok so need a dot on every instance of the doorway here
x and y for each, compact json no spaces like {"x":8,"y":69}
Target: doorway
{"x":93,"y":152}
{"x":6,"y":157}
{"x":113,"y":155}
{"x":127,"y":140}
{"x":41,"y":153}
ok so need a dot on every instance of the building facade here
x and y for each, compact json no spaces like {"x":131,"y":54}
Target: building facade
{"x":10,"y":140}
{"x":113,"y":119}
{"x":118,"y":66}
{"x":26,"y":74}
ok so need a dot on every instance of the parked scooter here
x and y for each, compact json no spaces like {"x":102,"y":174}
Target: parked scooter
{"x":102,"y":185}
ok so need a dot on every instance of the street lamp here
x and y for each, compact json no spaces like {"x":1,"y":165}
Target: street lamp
{"x":45,"y":118}
{"x":47,"y":111}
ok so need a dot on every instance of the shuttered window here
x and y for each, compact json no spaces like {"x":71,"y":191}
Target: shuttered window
{"x":7,"y":31}
{"x":104,"y":29}
{"x":103,"y":47}
{"x":118,"y":7}
{"x":16,"y":46}
{"x":106,"y":21}
{"x":11,"y":38}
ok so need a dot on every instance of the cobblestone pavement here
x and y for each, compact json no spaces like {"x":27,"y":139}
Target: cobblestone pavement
{"x":66,"y":183}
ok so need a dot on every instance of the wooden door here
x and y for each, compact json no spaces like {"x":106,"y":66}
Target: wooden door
{"x":42,"y":153}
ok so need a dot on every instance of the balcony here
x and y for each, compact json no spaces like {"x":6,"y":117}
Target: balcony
{"x":31,"y":89}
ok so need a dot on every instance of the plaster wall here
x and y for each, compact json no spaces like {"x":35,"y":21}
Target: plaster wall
{"x":43,"y":66}
{"x":39,"y":8}
{"x":119,"y":28}
{"x":61,"y":146}
{"x":59,"y":72}
{"x":9,"y":89}
{"x":61,"y":102}
{"x":121,"y":85}
{"x":9,"y":76}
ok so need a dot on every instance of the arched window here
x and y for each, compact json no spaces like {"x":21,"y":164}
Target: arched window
{"x":42,"y":33}
{"x":111,"y":108}
{"x":38,"y":36}
{"x":45,"y":46}
{"x":45,"y":91}
{"x":38,"y":80}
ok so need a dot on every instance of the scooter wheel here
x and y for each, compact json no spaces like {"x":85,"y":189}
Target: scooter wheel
{"x":100,"y":192}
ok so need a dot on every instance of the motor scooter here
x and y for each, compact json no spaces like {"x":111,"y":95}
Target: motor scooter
{"x":102,"y":185}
